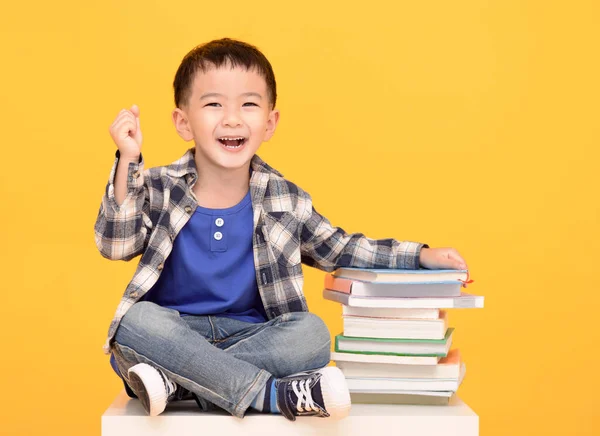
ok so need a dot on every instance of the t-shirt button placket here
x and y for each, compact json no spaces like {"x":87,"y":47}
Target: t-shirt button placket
{"x":219,"y":239}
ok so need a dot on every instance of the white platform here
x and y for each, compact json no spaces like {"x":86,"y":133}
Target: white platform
{"x":126,"y":417}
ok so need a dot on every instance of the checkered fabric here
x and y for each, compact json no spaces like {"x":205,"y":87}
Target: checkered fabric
{"x":288,"y":232}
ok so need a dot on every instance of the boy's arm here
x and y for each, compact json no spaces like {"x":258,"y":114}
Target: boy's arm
{"x":121,"y":230}
{"x":327,"y":247}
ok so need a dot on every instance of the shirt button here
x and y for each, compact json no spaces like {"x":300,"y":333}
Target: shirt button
{"x":160,"y":267}
{"x":218,"y":236}
{"x":188,"y":209}
{"x":219,"y":222}
{"x":134,"y":295}
{"x":135,"y":174}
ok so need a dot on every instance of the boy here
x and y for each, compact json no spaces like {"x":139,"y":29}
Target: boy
{"x":215,"y":310}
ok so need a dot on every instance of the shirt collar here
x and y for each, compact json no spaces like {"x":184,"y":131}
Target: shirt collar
{"x":185,"y":166}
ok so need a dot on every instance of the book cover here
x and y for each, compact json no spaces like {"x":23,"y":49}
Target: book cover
{"x":446,"y":368}
{"x":421,"y":275}
{"x":389,"y":358}
{"x":394,"y":347}
{"x":405,"y":396}
{"x":449,"y":288}
{"x":360,"y":326}
{"x":402,"y":397}
{"x":382,"y":385}
{"x":391,"y":312}
{"x":464,"y":301}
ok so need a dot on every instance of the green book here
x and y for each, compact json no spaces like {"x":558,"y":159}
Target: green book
{"x":395,"y":347}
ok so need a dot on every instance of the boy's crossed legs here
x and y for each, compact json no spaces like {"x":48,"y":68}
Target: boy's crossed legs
{"x":229,"y":362}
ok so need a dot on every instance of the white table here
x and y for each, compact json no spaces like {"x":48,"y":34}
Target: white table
{"x":126,"y":417}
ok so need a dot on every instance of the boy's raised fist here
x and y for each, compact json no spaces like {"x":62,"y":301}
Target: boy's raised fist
{"x":125,"y":131}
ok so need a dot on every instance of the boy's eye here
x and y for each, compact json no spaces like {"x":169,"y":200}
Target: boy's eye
{"x":214,"y":104}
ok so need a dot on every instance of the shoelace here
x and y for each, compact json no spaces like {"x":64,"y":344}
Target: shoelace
{"x":304,"y":394}
{"x":169,"y":385}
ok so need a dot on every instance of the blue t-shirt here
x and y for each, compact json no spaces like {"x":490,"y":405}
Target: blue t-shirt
{"x":211,"y":268}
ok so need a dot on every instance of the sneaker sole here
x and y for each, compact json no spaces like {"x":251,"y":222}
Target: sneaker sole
{"x":334,"y":389}
{"x":149,"y":387}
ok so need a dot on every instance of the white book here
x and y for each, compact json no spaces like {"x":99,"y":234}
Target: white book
{"x":390,"y":312}
{"x":428,"y":393}
{"x":447,"y":368}
{"x":408,"y":290}
{"x":396,"y":328}
{"x":464,"y":301}
{"x":421,"y":275}
{"x":375,"y":346}
{"x":447,"y":288}
{"x":404,"y":384}
{"x":384,"y":358}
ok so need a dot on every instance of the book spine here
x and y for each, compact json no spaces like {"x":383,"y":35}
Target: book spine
{"x":338,"y":284}
{"x":387,"y":353}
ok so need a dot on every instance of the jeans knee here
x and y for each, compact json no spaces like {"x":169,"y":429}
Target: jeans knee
{"x":137,"y":315}
{"x":315,"y":330}
{"x":144,"y":319}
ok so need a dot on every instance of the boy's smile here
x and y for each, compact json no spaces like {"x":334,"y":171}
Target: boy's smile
{"x":228,"y":116}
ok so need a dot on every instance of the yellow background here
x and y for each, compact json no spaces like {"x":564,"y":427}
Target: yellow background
{"x":471,"y":124}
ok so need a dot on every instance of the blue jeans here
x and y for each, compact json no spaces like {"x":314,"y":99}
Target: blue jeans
{"x":222,"y":360}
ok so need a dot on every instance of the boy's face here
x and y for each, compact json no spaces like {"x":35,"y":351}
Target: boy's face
{"x":227,"y":103}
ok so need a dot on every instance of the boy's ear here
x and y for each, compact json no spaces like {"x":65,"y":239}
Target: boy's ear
{"x":272,"y":124}
{"x":180,"y":121}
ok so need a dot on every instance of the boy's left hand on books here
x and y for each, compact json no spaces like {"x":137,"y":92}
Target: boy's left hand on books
{"x":442,"y":258}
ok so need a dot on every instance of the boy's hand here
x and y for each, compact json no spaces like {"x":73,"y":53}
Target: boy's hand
{"x":126,"y":133}
{"x":441,"y":258}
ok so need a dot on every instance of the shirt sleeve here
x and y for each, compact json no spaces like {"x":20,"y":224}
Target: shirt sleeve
{"x":121,"y":232}
{"x":327,"y":247}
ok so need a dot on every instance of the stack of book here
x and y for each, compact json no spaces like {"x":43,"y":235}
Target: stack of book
{"x":396,"y":343}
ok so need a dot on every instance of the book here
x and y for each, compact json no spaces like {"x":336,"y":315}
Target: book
{"x":394,"y":347}
{"x":465,"y":301}
{"x":447,"y":367}
{"x":421,"y":275}
{"x":448,"y":288}
{"x":383,"y":384}
{"x":360,"y":326}
{"x":391,"y":312}
{"x":403,"y":397}
{"x":394,"y":359}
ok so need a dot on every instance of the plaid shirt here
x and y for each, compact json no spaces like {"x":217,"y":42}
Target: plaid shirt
{"x":288,"y":231}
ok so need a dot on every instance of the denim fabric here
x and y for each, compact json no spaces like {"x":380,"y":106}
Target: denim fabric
{"x":224,"y":361}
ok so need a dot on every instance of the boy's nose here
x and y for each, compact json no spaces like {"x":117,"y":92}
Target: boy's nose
{"x":232,"y":119}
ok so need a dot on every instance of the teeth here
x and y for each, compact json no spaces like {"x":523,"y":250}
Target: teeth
{"x":225,"y":139}
{"x":232,"y":146}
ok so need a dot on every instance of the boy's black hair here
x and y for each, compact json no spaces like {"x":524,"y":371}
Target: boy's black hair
{"x":217,"y":53}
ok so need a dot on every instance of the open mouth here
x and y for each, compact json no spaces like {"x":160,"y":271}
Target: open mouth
{"x":232,"y":142}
